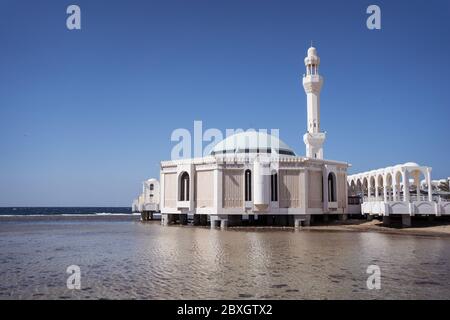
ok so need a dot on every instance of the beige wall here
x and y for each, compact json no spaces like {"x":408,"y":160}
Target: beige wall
{"x":315,"y":189}
{"x":289,"y":185}
{"x":204,"y":189}
{"x":170,"y":190}
{"x":341,"y":187}
{"x":233,"y":188}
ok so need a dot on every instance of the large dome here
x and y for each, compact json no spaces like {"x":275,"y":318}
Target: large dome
{"x":252,"y":142}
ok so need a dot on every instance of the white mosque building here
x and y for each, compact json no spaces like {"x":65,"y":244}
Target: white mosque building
{"x":148,"y":201}
{"x":255,"y":178}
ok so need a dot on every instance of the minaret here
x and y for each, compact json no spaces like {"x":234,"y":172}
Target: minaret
{"x":312,"y":83}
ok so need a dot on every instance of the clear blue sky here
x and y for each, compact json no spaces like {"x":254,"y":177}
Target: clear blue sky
{"x":85,"y":116}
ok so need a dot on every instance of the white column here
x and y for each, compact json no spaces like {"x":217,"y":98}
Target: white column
{"x":161,"y":190}
{"x":418,"y":186}
{"x":394,"y":191}
{"x":430,"y":190}
{"x":369,"y":191}
{"x":385,"y":196}
{"x":303,"y":184}
{"x":325,"y":189}
{"x":376,"y":189}
{"x":405,"y":178}
{"x":217,"y":189}
{"x":346,"y":191}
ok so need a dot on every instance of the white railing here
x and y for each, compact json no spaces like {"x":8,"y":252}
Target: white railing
{"x":418,"y":198}
{"x":381,"y":198}
{"x":412,"y":198}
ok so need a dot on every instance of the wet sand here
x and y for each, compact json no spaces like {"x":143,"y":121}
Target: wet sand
{"x":422,"y":228}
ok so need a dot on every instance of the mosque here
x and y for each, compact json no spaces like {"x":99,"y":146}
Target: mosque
{"x":254,"y":178}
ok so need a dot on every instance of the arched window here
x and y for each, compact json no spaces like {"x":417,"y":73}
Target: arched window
{"x":152,"y":187}
{"x":248,"y":185}
{"x":331,"y":187}
{"x":184,"y":187}
{"x":274,"y":187}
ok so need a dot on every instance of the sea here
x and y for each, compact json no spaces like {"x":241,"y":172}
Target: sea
{"x":108,"y":253}
{"x":55,"y":211}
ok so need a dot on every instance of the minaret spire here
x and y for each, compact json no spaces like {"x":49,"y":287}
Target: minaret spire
{"x":312,"y":83}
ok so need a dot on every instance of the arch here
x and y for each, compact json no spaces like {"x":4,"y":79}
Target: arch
{"x":380,"y":192}
{"x":371,"y":191}
{"x":151,"y":187}
{"x":248,"y":185}
{"x":359,"y":187}
{"x":184,"y":187}
{"x":388,"y":186}
{"x":353,"y":188}
{"x":332,"y":187}
{"x":365,"y":187}
{"x":398,"y":185}
{"x":398,"y":177}
{"x":416,"y":189}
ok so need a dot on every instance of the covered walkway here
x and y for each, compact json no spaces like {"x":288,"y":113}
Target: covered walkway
{"x":403,"y":189}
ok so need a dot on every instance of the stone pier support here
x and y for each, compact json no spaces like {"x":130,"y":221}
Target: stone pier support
{"x":214,"y":221}
{"x":223,"y":223}
{"x":307,"y":221}
{"x":164,"y":219}
{"x":303,"y":220}
{"x":343,"y":217}
{"x":167,"y":219}
{"x":219,"y":220}
{"x":386,"y":220}
{"x":147,"y":215}
{"x":297,"y":223}
{"x":325,"y":217}
{"x":406,"y":220}
{"x":369,"y":217}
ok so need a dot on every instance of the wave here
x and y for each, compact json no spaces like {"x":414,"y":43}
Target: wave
{"x":65,"y":211}
{"x":71,"y":215}
{"x":116,"y":214}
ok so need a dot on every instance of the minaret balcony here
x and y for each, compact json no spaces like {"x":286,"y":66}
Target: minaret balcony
{"x":314,"y":139}
{"x":312,"y":77}
{"x":312,"y":83}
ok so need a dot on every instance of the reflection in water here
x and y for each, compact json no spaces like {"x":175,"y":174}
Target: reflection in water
{"x":123,"y":258}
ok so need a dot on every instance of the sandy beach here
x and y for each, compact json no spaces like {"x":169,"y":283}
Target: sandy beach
{"x":420,"y":228}
{"x":423,"y":228}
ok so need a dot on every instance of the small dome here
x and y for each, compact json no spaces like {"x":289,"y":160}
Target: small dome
{"x":252,"y":142}
{"x":312,"y":57}
{"x":312,"y":52}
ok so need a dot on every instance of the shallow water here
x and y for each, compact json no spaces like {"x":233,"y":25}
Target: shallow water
{"x":122,"y":258}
